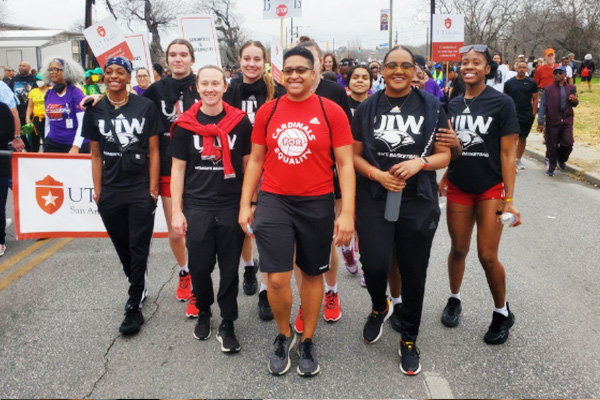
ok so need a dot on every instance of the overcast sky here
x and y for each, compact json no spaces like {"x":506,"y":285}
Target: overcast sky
{"x":324,"y":20}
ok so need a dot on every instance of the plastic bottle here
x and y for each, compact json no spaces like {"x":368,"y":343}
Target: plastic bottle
{"x":392,"y":206}
{"x":508,"y":218}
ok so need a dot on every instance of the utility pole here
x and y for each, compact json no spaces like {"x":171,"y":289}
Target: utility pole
{"x":391,"y":25}
{"x":431,"y":30}
{"x":292,"y":32}
{"x":87,"y":23}
{"x":396,"y":41}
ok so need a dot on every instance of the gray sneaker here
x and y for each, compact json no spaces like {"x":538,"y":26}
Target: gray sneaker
{"x":520,"y":165}
{"x":308,"y":365}
{"x":279,"y":359}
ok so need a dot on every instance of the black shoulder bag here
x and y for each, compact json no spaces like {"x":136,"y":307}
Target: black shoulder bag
{"x":133,"y":157}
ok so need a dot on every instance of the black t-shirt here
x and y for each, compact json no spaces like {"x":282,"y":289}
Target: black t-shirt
{"x":22,"y":85}
{"x":157,"y":92}
{"x":336,"y":93}
{"x":7,"y":133}
{"x":492,"y":115}
{"x":521,"y":91}
{"x":249,"y":97}
{"x":399,"y":136}
{"x":353,"y":105}
{"x":204,"y":184}
{"x":134,"y":123}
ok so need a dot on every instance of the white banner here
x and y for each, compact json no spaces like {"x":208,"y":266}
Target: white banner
{"x":200,"y":31}
{"x":107,"y":40}
{"x":447,"y":36}
{"x":138,"y":43}
{"x":273,"y":9}
{"x":52,"y":197}
{"x":276,"y":62}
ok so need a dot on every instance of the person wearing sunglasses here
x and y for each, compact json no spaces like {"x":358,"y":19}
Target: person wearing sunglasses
{"x":64,"y":114}
{"x":555,"y":114}
{"x":295,"y":141}
{"x":480,"y":185}
{"x":395,"y":151}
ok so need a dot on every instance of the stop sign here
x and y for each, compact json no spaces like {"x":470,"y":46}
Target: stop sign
{"x":281,"y":10}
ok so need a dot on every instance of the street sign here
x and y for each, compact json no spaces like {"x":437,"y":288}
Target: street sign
{"x":274,"y":9}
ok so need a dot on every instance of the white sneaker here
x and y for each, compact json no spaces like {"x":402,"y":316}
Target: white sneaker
{"x":8,"y":222}
{"x":520,"y":165}
{"x":2,"y":249}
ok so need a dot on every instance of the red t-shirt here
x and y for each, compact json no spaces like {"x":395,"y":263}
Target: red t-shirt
{"x":298,"y":160}
{"x":544,"y":76}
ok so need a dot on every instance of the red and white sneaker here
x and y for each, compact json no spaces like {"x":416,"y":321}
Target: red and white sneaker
{"x":299,"y":324}
{"x":332,"y":311}
{"x":191,"y":310}
{"x":184,"y":289}
{"x":350,"y":260}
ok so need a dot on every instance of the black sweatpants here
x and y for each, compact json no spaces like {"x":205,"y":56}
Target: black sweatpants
{"x":412,"y":236}
{"x":559,"y":144}
{"x":212,"y":235}
{"x":129,"y":220}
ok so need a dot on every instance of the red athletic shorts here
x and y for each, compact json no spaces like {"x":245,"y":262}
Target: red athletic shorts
{"x":164,"y":186}
{"x":455,"y":195}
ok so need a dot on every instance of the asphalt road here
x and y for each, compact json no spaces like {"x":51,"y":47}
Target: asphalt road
{"x":59,"y":331}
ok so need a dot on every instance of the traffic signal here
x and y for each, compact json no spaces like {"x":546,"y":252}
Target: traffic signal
{"x":359,"y":50}
{"x":376,"y":49}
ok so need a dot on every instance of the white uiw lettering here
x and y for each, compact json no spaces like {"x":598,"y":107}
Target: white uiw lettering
{"x":123,"y":126}
{"x":479,"y":125}
{"x":397,"y":122}
{"x":198,"y":145}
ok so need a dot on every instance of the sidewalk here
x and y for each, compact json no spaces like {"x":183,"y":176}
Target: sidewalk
{"x":584,"y":161}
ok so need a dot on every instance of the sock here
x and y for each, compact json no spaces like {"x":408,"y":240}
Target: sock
{"x":330,"y":288}
{"x":184,"y":269}
{"x":456,"y":296}
{"x":249,"y":263}
{"x":262,"y":287}
{"x":396,"y":300}
{"x":503,"y":310}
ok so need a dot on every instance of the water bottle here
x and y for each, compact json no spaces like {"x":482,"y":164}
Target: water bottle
{"x":508,"y":219}
{"x":392,"y":206}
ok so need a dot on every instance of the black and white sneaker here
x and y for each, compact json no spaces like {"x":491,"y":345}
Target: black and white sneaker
{"x":499,"y":328}
{"x":451,"y":313}
{"x":395,"y":318}
{"x":264,"y":308}
{"x":133,"y":320}
{"x":202,"y":329}
{"x":409,"y":353}
{"x":308,"y":365}
{"x":373,"y":328}
{"x":250,"y":283}
{"x":226,"y":336}
{"x":279,"y":359}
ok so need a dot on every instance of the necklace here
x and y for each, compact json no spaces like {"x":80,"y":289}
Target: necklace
{"x":397,"y":109}
{"x":467,"y":110}
{"x":118,"y":104}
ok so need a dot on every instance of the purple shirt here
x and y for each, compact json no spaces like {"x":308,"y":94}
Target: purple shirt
{"x":432,"y":88}
{"x":138,"y":90}
{"x":62,"y":114}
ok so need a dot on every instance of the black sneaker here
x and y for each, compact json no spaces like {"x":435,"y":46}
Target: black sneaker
{"x":451,"y":313}
{"x":279,"y":359}
{"x":395,"y":318}
{"x":250,"y":283}
{"x":498,"y":331}
{"x":133,"y":320}
{"x":264,"y":308}
{"x":226,"y":336}
{"x":374,"y":325}
{"x":562,"y":165}
{"x":308,"y":365}
{"x":409,"y":352}
{"x":202,"y":329}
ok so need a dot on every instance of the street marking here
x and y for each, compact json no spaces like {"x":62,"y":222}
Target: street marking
{"x":34,"y":262}
{"x":437,"y":387}
{"x":23,"y":254}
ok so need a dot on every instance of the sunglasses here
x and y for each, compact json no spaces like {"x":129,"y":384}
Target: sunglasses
{"x":559,"y":72}
{"x":480,"y":48}
{"x":405,"y":66}
{"x":289,"y":71}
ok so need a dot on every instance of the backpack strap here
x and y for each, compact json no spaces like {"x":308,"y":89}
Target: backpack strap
{"x":271,"y":115}
{"x":330,"y":133}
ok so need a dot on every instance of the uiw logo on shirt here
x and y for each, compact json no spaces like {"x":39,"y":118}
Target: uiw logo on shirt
{"x":292,"y":142}
{"x":124,"y":129}
{"x":249,"y":107}
{"x":468,"y":129}
{"x":218,"y":145}
{"x":393,"y":130}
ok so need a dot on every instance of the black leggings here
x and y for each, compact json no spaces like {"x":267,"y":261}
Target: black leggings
{"x":412,"y":236}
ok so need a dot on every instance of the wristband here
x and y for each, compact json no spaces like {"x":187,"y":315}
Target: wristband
{"x":253,"y":203}
{"x":17,"y":137}
{"x":508,"y":200}
{"x":425,"y":162}
{"x":369,"y":174}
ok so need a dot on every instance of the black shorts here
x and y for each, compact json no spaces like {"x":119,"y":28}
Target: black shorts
{"x":525,"y":128}
{"x":586,"y":78}
{"x":282,"y":222}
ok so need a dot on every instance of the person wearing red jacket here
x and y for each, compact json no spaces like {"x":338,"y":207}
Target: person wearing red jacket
{"x":210,"y":146}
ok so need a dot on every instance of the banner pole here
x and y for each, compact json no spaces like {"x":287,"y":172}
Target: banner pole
{"x":281,"y":33}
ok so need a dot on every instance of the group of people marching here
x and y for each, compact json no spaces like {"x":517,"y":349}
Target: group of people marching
{"x":304,"y":168}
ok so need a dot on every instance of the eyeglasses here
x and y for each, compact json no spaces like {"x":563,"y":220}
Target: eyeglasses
{"x":299,"y":70}
{"x":405,"y":66}
{"x":480,"y":48}
{"x":54,"y":70}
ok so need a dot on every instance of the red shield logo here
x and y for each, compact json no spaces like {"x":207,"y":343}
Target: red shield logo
{"x":282,"y":10}
{"x":101,"y":31}
{"x":49,"y":194}
{"x":447,"y":23}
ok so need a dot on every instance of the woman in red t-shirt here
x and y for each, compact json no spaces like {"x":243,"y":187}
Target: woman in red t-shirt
{"x":292,"y":144}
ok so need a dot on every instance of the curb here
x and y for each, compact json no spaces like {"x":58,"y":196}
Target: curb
{"x":590,"y":177}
